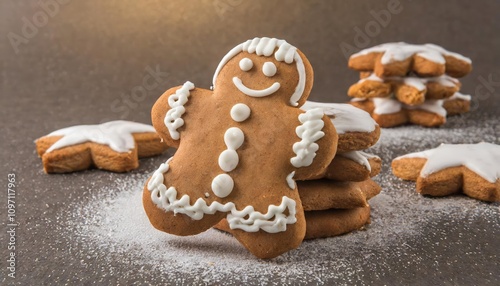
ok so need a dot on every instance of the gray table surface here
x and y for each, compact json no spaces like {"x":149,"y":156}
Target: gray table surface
{"x":82,"y":66}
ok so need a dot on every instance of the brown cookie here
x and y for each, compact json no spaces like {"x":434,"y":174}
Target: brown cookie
{"x":457,"y":104}
{"x":326,"y":223}
{"x":335,"y":222}
{"x":114,"y":146}
{"x":327,"y":194}
{"x":410,"y":90}
{"x":370,"y":86}
{"x":240,"y":147}
{"x":389,"y":112}
{"x":398,"y":59}
{"x":353,"y":166}
{"x":355,"y":128}
{"x":451,"y":168}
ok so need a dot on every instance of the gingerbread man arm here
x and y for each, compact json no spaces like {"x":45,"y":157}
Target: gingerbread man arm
{"x":168,"y":111}
{"x":317,"y":147}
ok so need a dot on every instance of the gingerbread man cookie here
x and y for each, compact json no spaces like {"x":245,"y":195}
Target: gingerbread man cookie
{"x":113,"y":146}
{"x":240,"y":149}
{"x":398,"y":59}
{"x":473,"y":169}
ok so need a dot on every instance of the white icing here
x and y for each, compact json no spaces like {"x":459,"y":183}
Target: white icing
{"x":228,"y":160}
{"x":386,"y":105}
{"x":246,"y":64}
{"x":290,"y":181}
{"x":345,"y":117}
{"x":269,"y":69}
{"x":482,"y":158}
{"x":248,"y":219}
{"x":433,"y":106}
{"x":266,"y":47}
{"x":240,"y":112}
{"x":448,"y":53}
{"x":359,"y":157}
{"x":309,"y":132}
{"x":222,"y":185}
{"x":459,"y":96}
{"x":234,"y":138}
{"x":176,"y":101}
{"x":255,"y":92}
{"x":444,"y":80}
{"x":417,"y":82}
{"x":115,"y":134}
{"x":390,"y":106}
{"x":401,"y":51}
{"x":371,"y":77}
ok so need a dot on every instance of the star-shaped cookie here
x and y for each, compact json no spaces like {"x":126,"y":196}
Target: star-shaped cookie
{"x":390,"y":112}
{"x":473,"y":169}
{"x":114,"y":146}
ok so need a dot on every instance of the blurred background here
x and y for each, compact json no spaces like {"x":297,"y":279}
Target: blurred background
{"x":71,"y":62}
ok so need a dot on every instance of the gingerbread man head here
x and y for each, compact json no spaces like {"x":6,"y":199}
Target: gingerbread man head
{"x":240,"y":147}
{"x":275,"y":64}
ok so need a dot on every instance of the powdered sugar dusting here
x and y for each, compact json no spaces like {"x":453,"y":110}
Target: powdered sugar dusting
{"x":114,"y":226}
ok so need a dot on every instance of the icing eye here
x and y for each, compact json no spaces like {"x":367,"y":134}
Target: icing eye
{"x":269,"y":69}
{"x":246,"y":64}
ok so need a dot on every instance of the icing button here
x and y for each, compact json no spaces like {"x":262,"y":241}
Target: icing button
{"x":228,"y":160}
{"x":234,"y":138}
{"x":222,"y":185}
{"x":240,"y":112}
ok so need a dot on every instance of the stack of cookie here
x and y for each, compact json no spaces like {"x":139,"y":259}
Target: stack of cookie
{"x":336,"y":202}
{"x":403,"y":83}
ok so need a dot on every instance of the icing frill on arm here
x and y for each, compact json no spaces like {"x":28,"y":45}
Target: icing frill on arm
{"x":309,"y":132}
{"x":176,"y":101}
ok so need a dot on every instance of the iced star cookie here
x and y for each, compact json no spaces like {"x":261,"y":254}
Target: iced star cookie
{"x":398,"y":59}
{"x":114,"y":146}
{"x":240,"y":149}
{"x":473,"y":169}
{"x":411,"y":90}
{"x":389,"y":112}
{"x":355,"y":128}
{"x":457,"y":104}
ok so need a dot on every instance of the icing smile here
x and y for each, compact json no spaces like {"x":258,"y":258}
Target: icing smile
{"x":253,"y":92}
